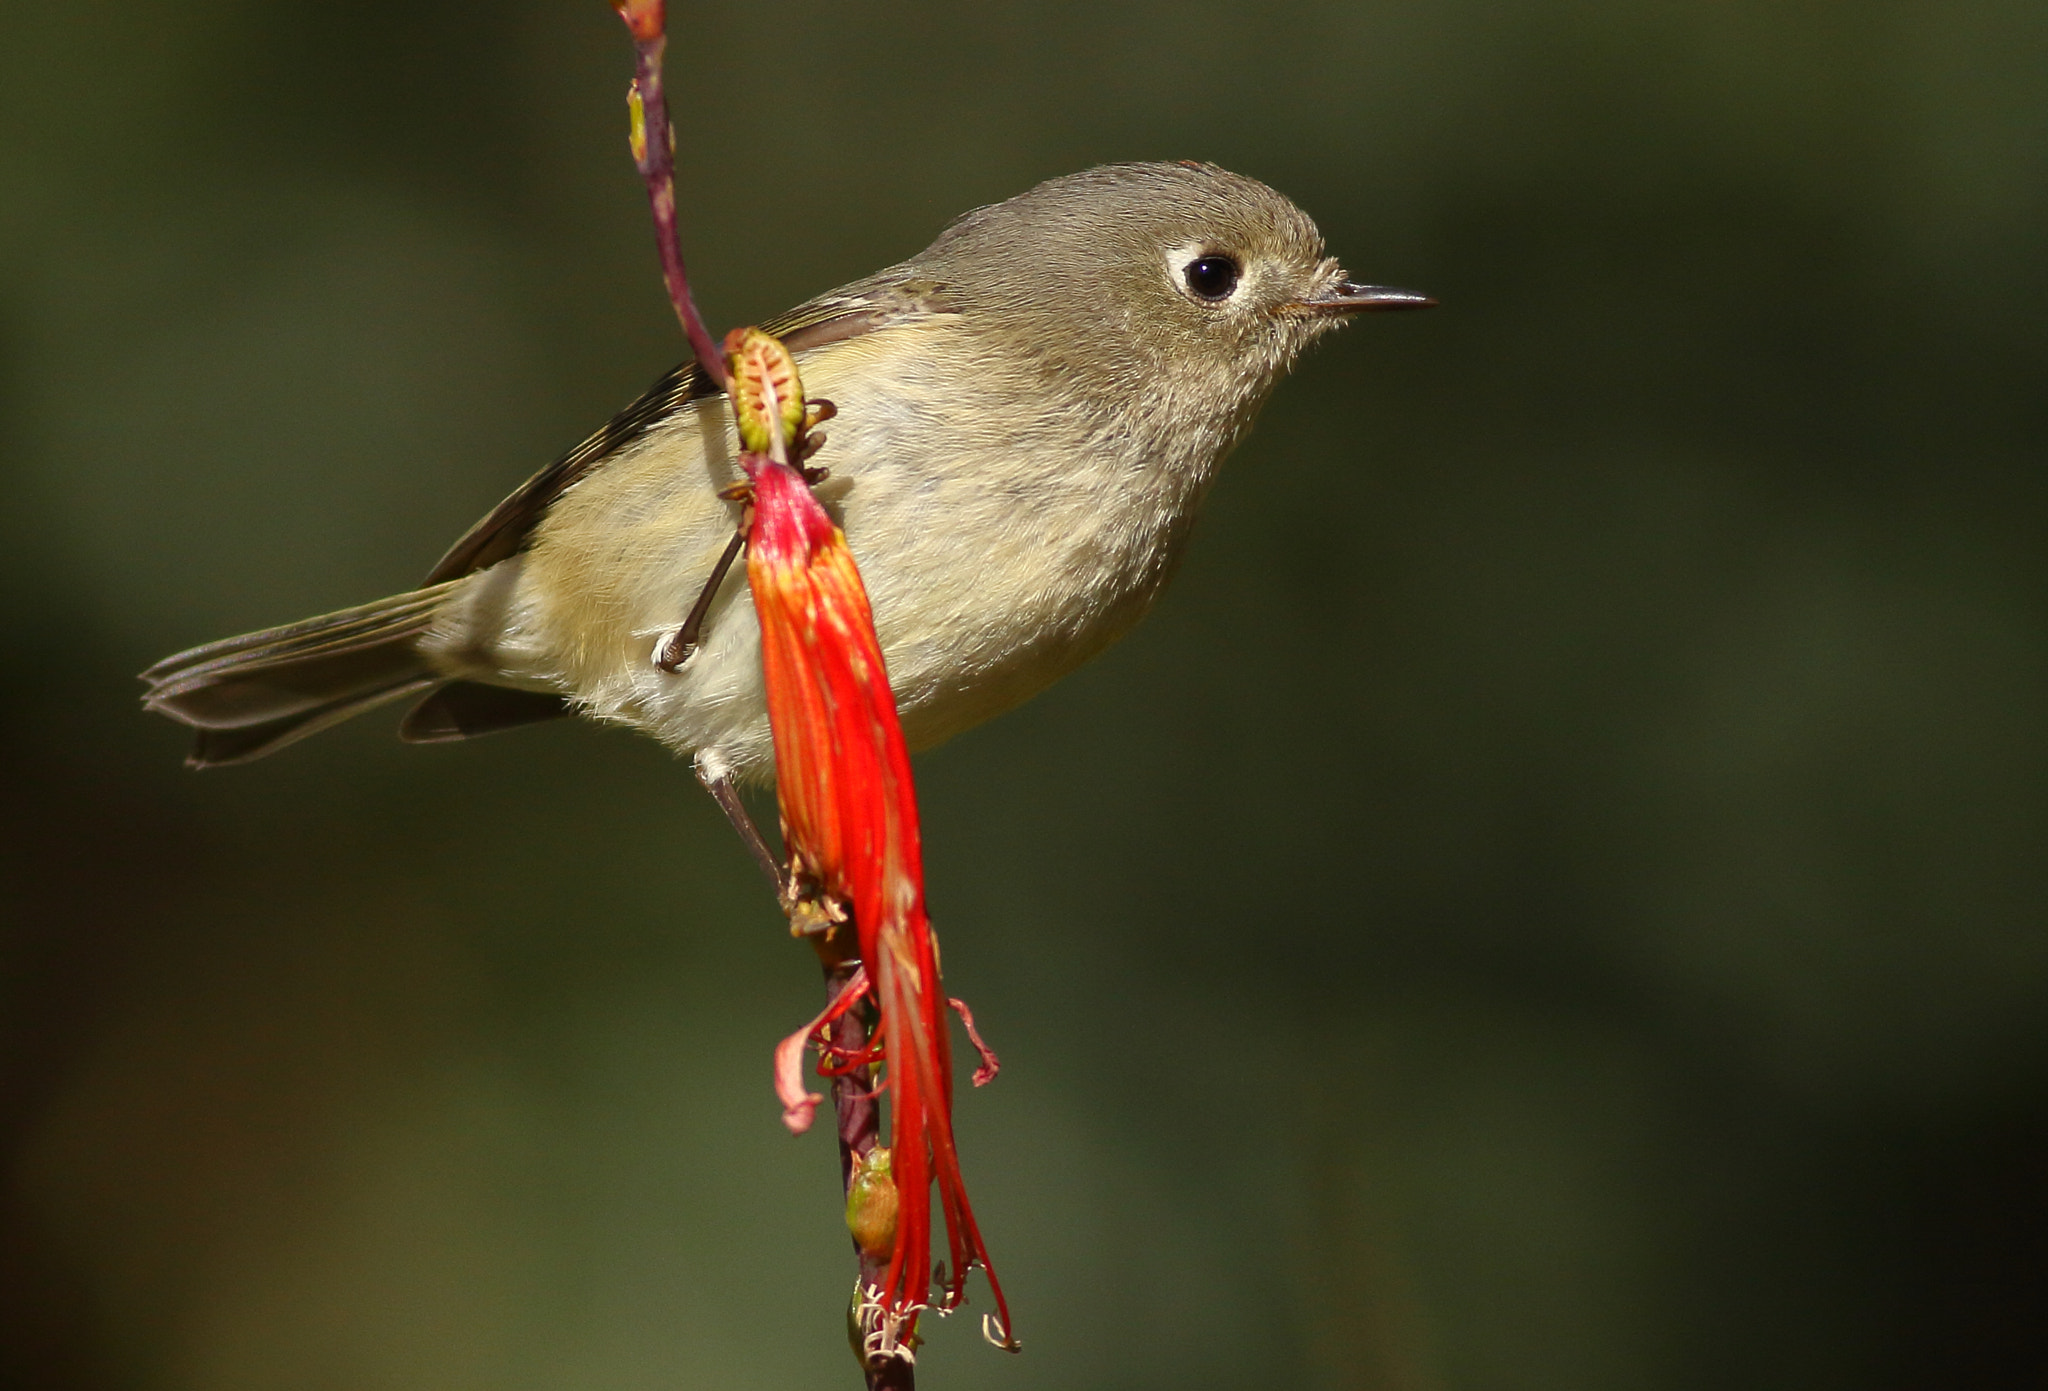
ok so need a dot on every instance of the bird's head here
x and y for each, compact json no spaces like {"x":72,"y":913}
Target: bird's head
{"x":1177,"y":280}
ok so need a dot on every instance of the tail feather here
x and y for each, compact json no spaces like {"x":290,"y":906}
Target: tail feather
{"x":219,"y":748}
{"x":466,"y":709}
{"x":249,"y":695}
{"x":405,"y":614}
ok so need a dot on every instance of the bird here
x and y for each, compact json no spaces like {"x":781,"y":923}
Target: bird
{"x":1029,"y":414}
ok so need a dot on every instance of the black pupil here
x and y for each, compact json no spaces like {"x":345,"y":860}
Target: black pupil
{"x":1212,"y":277}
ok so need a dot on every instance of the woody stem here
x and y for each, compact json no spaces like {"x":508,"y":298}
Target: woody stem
{"x":859,"y":1114}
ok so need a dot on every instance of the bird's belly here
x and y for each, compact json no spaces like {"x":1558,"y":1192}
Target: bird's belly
{"x":992,"y":571}
{"x":976,"y":618}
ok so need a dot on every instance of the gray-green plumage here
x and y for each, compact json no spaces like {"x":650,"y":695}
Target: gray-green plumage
{"x":1030,"y":411}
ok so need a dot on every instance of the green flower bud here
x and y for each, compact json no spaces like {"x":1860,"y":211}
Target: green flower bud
{"x":871,"y":1203}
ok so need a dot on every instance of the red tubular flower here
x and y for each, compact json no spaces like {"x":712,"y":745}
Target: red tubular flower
{"x":849,"y":812}
{"x":849,"y":817}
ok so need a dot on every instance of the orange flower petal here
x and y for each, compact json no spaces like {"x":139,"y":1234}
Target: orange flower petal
{"x":849,"y":813}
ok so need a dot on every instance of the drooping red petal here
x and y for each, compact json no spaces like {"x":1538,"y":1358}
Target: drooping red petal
{"x":849,"y":813}
{"x":799,"y":1104}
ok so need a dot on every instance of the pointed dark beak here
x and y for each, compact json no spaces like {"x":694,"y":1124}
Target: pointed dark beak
{"x":1343,"y":297}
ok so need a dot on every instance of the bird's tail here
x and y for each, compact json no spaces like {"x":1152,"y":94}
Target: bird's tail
{"x":250,"y":695}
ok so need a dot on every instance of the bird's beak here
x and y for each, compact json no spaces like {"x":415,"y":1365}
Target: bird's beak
{"x":1344,"y":297}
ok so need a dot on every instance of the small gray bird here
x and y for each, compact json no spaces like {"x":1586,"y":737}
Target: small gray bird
{"x":1029,"y":414}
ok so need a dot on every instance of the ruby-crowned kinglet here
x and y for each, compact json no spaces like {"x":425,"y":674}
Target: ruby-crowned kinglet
{"x":1029,"y":413}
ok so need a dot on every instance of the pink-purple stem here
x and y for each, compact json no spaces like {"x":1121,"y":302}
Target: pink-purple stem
{"x":849,"y":1019}
{"x":859,"y":1110}
{"x":656,"y":162}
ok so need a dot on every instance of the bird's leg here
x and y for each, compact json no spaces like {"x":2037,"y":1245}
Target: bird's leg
{"x":678,"y":646}
{"x":811,"y":910}
{"x":728,"y":798}
{"x":812,"y":444}
{"x":811,"y":439}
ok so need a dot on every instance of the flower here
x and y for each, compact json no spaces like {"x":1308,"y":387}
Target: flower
{"x":849,"y":820}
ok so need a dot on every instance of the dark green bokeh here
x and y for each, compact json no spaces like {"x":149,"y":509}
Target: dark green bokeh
{"x":1553,"y":899}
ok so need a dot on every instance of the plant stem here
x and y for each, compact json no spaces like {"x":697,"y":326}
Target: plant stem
{"x":859,"y":1116}
{"x":858,"y":1112}
{"x":654,"y":156}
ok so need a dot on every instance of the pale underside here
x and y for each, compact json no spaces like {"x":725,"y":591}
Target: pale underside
{"x":996,"y":559}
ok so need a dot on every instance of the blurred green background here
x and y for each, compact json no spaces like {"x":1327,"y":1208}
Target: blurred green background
{"x":1552,"y":899}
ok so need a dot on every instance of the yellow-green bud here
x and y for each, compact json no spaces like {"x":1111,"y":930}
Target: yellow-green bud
{"x":871,"y":1203}
{"x":764,"y":384}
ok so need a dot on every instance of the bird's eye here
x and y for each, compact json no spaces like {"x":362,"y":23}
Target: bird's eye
{"x":1211,"y":278}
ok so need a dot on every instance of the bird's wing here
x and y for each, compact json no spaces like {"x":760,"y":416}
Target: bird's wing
{"x":832,"y":318}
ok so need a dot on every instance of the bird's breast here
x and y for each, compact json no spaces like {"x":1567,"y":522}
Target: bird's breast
{"x":1003,"y":541}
